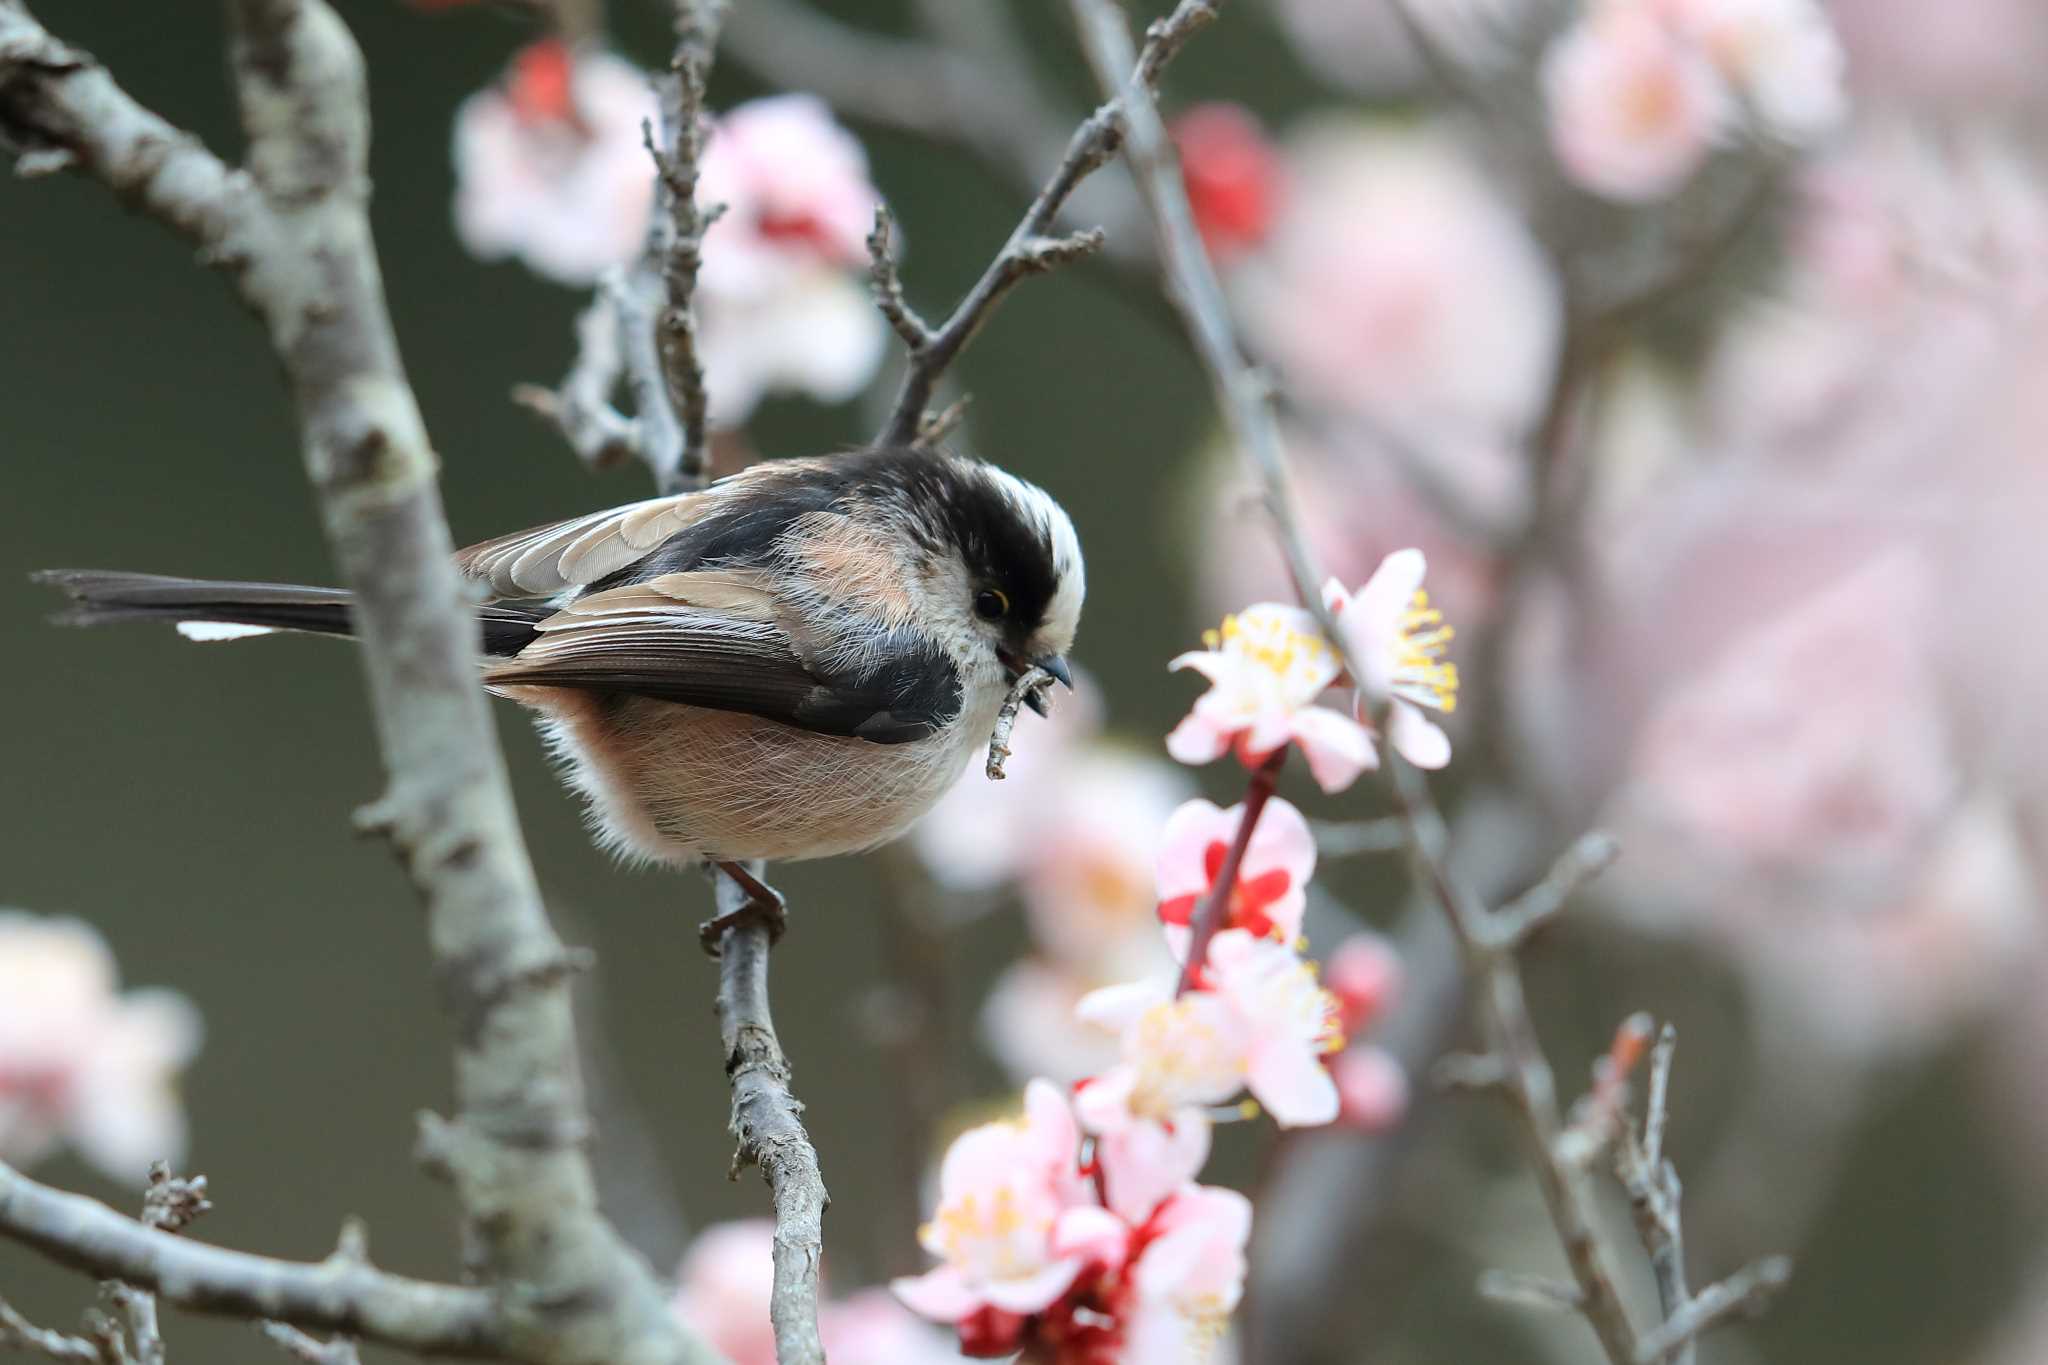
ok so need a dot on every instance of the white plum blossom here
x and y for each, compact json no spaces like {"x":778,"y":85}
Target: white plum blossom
{"x":80,"y":1063}
{"x":1187,"y":1281}
{"x":1398,"y":640}
{"x":1266,"y":667}
{"x":1261,"y":1021}
{"x":1635,"y":106}
{"x":1782,"y":56}
{"x":550,"y":167}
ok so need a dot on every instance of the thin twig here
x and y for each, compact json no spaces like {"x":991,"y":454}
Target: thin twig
{"x":311,"y":1350}
{"x":915,"y":332}
{"x":1034,"y":246}
{"x":1590,"y":854}
{"x":1530,"y":1291}
{"x":1746,"y":1291}
{"x":580,"y":408}
{"x":17,"y":1331}
{"x":767,"y":1123}
{"x":1209,"y":916}
{"x":1031,"y":682}
{"x":1357,"y":838}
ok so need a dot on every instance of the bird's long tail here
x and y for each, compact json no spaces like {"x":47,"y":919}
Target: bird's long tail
{"x":216,"y":609}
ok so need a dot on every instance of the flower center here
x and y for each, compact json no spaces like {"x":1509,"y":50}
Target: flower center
{"x":1421,"y":674}
{"x":1184,"y":1058}
{"x":1301,"y":660}
{"x":993,"y":1235}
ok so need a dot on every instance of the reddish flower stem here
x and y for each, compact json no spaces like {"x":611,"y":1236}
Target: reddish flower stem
{"x":1209,"y":917}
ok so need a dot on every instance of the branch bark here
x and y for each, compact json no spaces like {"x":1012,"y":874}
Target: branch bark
{"x":767,"y":1123}
{"x":292,"y":233}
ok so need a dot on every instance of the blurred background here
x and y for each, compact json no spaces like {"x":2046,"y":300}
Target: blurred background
{"x":1699,"y":344}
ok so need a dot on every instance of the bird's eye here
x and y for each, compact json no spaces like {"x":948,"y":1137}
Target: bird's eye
{"x":991,"y":605}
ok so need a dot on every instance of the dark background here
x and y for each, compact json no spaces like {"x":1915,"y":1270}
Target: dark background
{"x":193,"y":803}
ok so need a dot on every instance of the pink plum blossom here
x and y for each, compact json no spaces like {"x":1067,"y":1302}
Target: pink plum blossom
{"x":80,"y":1063}
{"x":1266,"y":667}
{"x":727,"y":1279}
{"x":784,"y":303}
{"x":1271,"y":894}
{"x":1365,"y":975}
{"x":1015,"y":1221}
{"x":1262,"y":1022}
{"x":1635,"y":106}
{"x":549,"y":164}
{"x":1398,"y":640}
{"x":1399,"y":292}
{"x":1372,"y":1088}
{"x":1187,"y":1281}
{"x":1232,"y":175}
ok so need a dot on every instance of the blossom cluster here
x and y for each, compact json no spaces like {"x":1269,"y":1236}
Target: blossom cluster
{"x":1641,"y":92}
{"x":82,"y":1064}
{"x":552,"y":169}
{"x":1080,"y":1229}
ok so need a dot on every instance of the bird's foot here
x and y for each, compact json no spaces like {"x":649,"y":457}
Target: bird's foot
{"x":763,"y":905}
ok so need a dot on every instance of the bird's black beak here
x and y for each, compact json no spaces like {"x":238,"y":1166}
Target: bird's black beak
{"x":1052,"y":663}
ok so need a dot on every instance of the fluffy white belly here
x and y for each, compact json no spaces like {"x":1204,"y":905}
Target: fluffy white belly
{"x":677,"y":784}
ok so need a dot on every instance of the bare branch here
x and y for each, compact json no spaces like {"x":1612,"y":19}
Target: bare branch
{"x":1590,"y":855}
{"x":311,"y":1350}
{"x":581,"y":407}
{"x":767,"y":1122}
{"x":293,"y":232}
{"x":1530,"y":1291}
{"x":334,"y":1295}
{"x":18,"y":1332}
{"x":1033,"y":246}
{"x":1746,"y":1291}
{"x":915,"y":332}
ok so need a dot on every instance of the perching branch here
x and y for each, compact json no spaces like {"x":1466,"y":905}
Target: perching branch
{"x":291,"y":231}
{"x":1034,"y":246}
{"x":767,"y":1122}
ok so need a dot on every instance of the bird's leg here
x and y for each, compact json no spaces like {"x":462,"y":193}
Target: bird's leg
{"x":763,"y":903}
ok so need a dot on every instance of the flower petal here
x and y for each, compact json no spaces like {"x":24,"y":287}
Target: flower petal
{"x":1416,"y":737}
{"x":1337,"y":747}
{"x":940,"y":1294}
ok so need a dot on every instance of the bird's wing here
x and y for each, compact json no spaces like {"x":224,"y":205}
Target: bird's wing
{"x":713,"y":638}
{"x":548,"y":559}
{"x":737,"y":518}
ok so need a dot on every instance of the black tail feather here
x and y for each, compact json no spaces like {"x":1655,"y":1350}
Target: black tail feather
{"x":98,"y":597}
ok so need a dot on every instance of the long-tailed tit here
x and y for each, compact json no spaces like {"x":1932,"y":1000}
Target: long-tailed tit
{"x":795,"y":662}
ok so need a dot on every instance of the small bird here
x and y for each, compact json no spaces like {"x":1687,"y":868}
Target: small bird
{"x":794,"y":662}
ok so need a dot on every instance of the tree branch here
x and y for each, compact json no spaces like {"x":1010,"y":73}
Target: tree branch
{"x":581,"y":407}
{"x":1210,"y":915}
{"x":767,"y":1122}
{"x":293,"y":233}
{"x":1033,"y":247}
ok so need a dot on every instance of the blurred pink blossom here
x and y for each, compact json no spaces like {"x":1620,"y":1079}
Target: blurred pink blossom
{"x":1372,"y":1088}
{"x":1266,"y":667}
{"x":1261,"y":1021}
{"x":1963,"y":56}
{"x":785,"y":304}
{"x":1399,"y":291}
{"x":727,"y":1279}
{"x":1399,"y":640}
{"x":1013,"y":1209}
{"x":1635,"y":106}
{"x":549,"y":164}
{"x":80,"y":1063}
{"x":1364,"y":974}
{"x":1232,"y":174}
{"x":1367,"y":46}
{"x":1782,"y":56}
{"x":1029,"y":1024}
{"x":1271,"y":894}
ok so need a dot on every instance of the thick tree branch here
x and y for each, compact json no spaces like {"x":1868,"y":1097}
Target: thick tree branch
{"x":767,"y":1123}
{"x":293,"y":233}
{"x":340,"y":1294}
